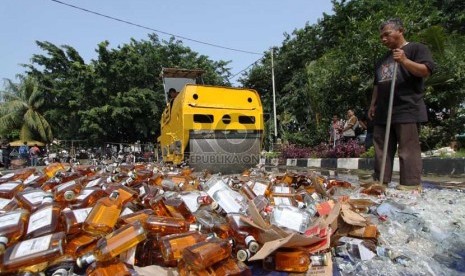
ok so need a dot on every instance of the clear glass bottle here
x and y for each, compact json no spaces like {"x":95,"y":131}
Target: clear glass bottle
{"x":104,"y":215}
{"x":73,"y":219}
{"x":114,"y":244}
{"x":12,"y":227}
{"x":205,"y":254}
{"x":33,"y":252}
{"x":295,"y":261}
{"x":171,"y":246}
{"x":44,"y":220}
{"x":290,"y":217}
{"x":260,"y":187}
{"x":230,"y":201}
{"x":167,"y":225}
{"x":213,"y":222}
{"x":10,"y":188}
{"x":195,"y":199}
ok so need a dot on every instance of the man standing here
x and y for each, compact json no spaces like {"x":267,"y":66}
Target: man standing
{"x":34,"y":152}
{"x":335,"y":131}
{"x":409,"y":110}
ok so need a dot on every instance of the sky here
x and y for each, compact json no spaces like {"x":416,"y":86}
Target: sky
{"x":248,"y":25}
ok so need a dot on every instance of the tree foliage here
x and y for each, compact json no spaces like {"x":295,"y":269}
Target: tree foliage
{"x":327,"y":68}
{"x":117,"y":97}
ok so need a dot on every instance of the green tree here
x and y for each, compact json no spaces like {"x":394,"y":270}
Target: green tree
{"x":21,"y":109}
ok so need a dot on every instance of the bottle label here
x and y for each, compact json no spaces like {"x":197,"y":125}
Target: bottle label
{"x":93,"y":183}
{"x":8,"y":175}
{"x":40,"y":219}
{"x":282,"y":190}
{"x":126,"y":211}
{"x":35,"y":197}
{"x":290,"y":219}
{"x":259,"y":188}
{"x":31,"y":178}
{"x":84,"y":194}
{"x":8,"y":186}
{"x":282,"y":200}
{"x":63,"y":186}
{"x":8,"y":220}
{"x":32,"y":246}
{"x":4,"y":202}
{"x":81,"y":214}
{"x":142,"y":191}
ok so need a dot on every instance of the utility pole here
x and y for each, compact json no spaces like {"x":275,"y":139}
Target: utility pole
{"x":274,"y":97}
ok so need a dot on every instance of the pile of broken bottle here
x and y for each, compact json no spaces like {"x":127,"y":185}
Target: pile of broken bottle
{"x":99,"y":220}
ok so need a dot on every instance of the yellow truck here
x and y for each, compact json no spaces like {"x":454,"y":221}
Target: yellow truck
{"x":213,"y":128}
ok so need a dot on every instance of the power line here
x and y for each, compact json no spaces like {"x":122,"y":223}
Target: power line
{"x":154,"y":30}
{"x":243,"y":70}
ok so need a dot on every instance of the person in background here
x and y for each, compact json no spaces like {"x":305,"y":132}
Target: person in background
{"x":348,"y":131}
{"x":335,"y":130}
{"x":6,"y":150}
{"x":34,"y":153}
{"x":367,"y":124}
{"x":415,"y":63}
{"x":24,"y":152}
{"x":172,"y":94}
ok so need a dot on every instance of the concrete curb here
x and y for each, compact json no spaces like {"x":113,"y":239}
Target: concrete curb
{"x":431,"y":165}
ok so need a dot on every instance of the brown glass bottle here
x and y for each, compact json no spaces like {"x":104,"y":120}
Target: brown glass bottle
{"x":104,"y":215}
{"x":114,"y":244}
{"x":30,"y":199}
{"x":33,"y":251}
{"x":35,"y":180}
{"x":87,"y":197}
{"x":80,"y":244}
{"x":167,"y":225}
{"x":23,"y":174}
{"x":205,"y":254}
{"x":11,"y":188}
{"x":157,"y":204}
{"x":109,"y":268}
{"x":141,"y":216}
{"x":296,"y":261}
{"x":126,"y":194}
{"x":45,"y":219}
{"x":171,"y":246}
{"x":8,"y":204}
{"x":243,"y":233}
{"x":12,"y":227}
{"x":178,"y":209}
{"x":230,"y":267}
{"x":67,"y":191}
{"x":73,"y":219}
{"x":51,"y":169}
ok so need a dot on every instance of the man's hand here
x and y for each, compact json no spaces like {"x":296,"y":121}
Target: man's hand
{"x":399,"y":55}
{"x":371,"y":112}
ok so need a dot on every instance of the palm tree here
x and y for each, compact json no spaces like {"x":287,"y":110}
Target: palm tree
{"x":20,"y":110}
